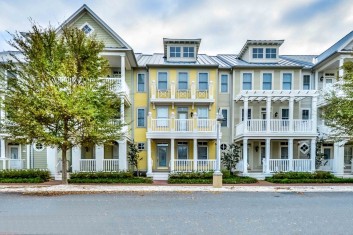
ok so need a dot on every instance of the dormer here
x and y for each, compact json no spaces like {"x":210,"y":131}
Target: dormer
{"x":184,"y":50}
{"x":261,"y":51}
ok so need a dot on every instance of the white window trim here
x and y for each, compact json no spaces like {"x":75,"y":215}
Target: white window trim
{"x":241,"y":79}
{"x":271,"y":48}
{"x":280,"y":114}
{"x":292,"y":82}
{"x":37,"y":149}
{"x":86,"y":23}
{"x":144,"y":146}
{"x":137,"y":117}
{"x":177,"y":80}
{"x":241,"y":110}
{"x":187,"y":152}
{"x":206,"y":146}
{"x":301,"y":113}
{"x":262,"y":78}
{"x":310,"y":82}
{"x":137,"y":83}
{"x":225,"y":108}
{"x":220,"y":83}
{"x":208,"y":80}
{"x":263,"y":53}
{"x":167,"y":78}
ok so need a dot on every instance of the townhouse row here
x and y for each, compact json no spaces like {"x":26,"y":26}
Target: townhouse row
{"x":271,"y":105}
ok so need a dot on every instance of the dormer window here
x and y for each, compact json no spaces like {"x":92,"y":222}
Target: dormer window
{"x":175,"y":52}
{"x":87,"y":29}
{"x":271,"y":53}
{"x":188,"y":52}
{"x":257,"y":53}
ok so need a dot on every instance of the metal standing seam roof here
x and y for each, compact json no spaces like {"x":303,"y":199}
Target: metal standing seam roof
{"x":305,"y":60}
{"x":221,"y":63}
{"x":159,"y":59}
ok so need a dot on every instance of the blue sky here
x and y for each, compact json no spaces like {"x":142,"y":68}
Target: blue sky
{"x":307,"y":26}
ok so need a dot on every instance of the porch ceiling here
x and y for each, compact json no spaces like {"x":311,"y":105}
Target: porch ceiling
{"x":275,"y":95}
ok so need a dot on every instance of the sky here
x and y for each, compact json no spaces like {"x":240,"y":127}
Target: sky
{"x":308,"y":26}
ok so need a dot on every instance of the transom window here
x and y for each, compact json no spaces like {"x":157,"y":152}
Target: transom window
{"x":183,"y":81}
{"x":267,"y":81}
{"x":203,"y":81}
{"x":188,"y":52}
{"x":287,"y":81}
{"x":175,"y":52}
{"x":271,"y":53}
{"x":224,"y":83}
{"x":257,"y":53}
{"x":162,"y":81}
{"x":247,"y":81}
{"x":87,"y":29}
{"x":306,"y":82}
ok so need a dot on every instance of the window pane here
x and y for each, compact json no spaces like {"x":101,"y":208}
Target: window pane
{"x":224,"y":83}
{"x":183,"y":81}
{"x":174,"y":51}
{"x":202,"y":113}
{"x":203,"y":81}
{"x":306,"y":82}
{"x":140,"y":82}
{"x":247,"y":81}
{"x":287,"y":81}
{"x":140,"y":117}
{"x":305,"y":114}
{"x":267,"y":81}
{"x":225,"y":114}
{"x":162,"y":81}
{"x":202,"y":152}
{"x":285,"y":113}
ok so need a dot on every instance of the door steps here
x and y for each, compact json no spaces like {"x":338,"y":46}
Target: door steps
{"x":160,"y":175}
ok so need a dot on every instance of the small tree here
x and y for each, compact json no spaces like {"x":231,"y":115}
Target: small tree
{"x":134,"y":157}
{"x":230,"y":157}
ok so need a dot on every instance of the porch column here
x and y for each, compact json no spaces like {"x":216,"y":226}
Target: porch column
{"x":195,"y":155}
{"x":291,"y":109}
{"x":149,"y":158}
{"x":290,"y":153}
{"x":99,"y":152}
{"x":28,"y":151}
{"x":245,"y":156}
{"x":172,"y":151}
{"x":246,"y":107}
{"x":122,"y":111}
{"x":313,"y":154}
{"x":2,"y":149}
{"x":338,"y":151}
{"x":340,"y":69}
{"x":267,"y":155}
{"x":316,"y":80}
{"x":52,"y":159}
{"x":122,"y":67}
{"x":268,"y":114}
{"x":76,"y":157}
{"x":122,"y":155}
{"x":314,"y":113}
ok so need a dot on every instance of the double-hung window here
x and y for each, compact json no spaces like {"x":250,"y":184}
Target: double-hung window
{"x":305,"y":114}
{"x":271,"y":53}
{"x":203,"y":81}
{"x":202,"y":151}
{"x":224,"y":122}
{"x":306,"y":82}
{"x":267,"y":81}
{"x":141,"y":82}
{"x":242,"y":114}
{"x":141,"y":118}
{"x":162,"y":117}
{"x":257,"y":53}
{"x":183,"y":81}
{"x":188,"y":52}
{"x":175,"y":52}
{"x":224,"y":83}
{"x":247,"y":81}
{"x":162,"y":81}
{"x":202,"y":114}
{"x":287,"y":81}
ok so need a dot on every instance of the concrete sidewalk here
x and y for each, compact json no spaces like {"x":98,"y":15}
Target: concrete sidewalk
{"x":88,"y":188}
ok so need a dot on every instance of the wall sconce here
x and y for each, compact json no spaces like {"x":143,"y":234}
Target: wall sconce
{"x":322,"y":78}
{"x":257,"y":148}
{"x":191,"y":114}
{"x":86,"y":148}
{"x":276,"y":114}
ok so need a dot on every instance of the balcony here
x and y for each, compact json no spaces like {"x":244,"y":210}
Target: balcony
{"x":182,"y":128}
{"x":118,"y":86}
{"x":277,"y":127}
{"x":191,"y":95}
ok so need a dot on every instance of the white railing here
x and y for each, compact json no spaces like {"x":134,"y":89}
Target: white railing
{"x":183,"y":165}
{"x":88,"y":165}
{"x":206,"y":125}
{"x":162,"y":125}
{"x":182,"y":125}
{"x":110,"y":164}
{"x":301,"y":165}
{"x":280,"y":125}
{"x":117,"y":85}
{"x":279,"y":165}
{"x":256,"y":125}
{"x":206,"y":165}
{"x":301,"y":125}
{"x":16,"y":163}
{"x":326,"y":165}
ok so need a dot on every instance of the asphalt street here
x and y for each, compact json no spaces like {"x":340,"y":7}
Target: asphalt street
{"x":178,"y":213}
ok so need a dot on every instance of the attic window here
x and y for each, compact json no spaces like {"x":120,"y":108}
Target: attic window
{"x":175,"y":52}
{"x":87,"y":29}
{"x":257,"y":53}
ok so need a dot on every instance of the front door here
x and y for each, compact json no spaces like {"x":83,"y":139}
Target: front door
{"x":262,"y":155}
{"x":182,"y":116}
{"x":15,"y":162}
{"x":284,"y":152}
{"x":162,"y":151}
{"x":263,"y":116}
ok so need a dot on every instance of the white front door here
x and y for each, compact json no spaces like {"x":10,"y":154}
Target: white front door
{"x":162,"y":116}
{"x":15,"y":162}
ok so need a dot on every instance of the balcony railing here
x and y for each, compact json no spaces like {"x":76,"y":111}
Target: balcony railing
{"x":187,"y":165}
{"x":88,"y":165}
{"x":182,"y":94}
{"x":110,"y":164}
{"x":181,"y":125}
{"x":276,"y":126}
{"x":117,"y":85}
{"x":285,"y":165}
{"x":8,"y":163}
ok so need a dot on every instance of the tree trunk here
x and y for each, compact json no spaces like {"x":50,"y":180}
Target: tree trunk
{"x":64,"y":164}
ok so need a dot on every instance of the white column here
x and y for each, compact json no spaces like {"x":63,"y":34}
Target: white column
{"x":291,"y":110}
{"x":99,"y":152}
{"x":268,"y":114}
{"x":313,"y":154}
{"x":267,"y":154}
{"x":340,"y":69}
{"x":76,"y":157}
{"x":149,"y":158}
{"x":52,"y":159}
{"x":122,"y":66}
{"x":314,"y":113}
{"x":195,"y":154}
{"x":3,"y":153}
{"x":316,"y":80}
{"x":28,"y":150}
{"x":246,"y":107}
{"x":245,"y":156}
{"x":172,"y":151}
{"x":122,"y":110}
{"x":290,"y":154}
{"x":122,"y":155}
{"x":338,"y":149}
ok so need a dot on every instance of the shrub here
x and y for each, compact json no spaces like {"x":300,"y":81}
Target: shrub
{"x":306,"y":177}
{"x":122,"y":177}
{"x":24,"y":175}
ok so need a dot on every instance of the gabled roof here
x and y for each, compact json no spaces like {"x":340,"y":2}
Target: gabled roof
{"x":167,"y":41}
{"x":85,"y":8}
{"x":259,"y":42}
{"x":335,"y":47}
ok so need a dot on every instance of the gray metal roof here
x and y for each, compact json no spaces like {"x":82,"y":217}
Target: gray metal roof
{"x":335,"y":47}
{"x":221,"y":63}
{"x":158,"y":59}
{"x":304,"y":60}
{"x":142,"y":60}
{"x":259,"y":42}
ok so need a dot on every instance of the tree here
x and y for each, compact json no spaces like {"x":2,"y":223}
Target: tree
{"x":57,"y":97}
{"x":338,"y":113}
{"x":231,"y":157}
{"x":134,"y":157}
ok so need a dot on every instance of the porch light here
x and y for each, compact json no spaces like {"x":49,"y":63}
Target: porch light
{"x":191,"y":114}
{"x":276,"y":114}
{"x":257,"y":148}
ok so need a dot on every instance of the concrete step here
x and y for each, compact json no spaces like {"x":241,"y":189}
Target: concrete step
{"x":160,"y":176}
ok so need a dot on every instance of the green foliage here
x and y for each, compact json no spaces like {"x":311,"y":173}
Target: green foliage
{"x":24,"y":176}
{"x":240,"y":180}
{"x":136,"y":180}
{"x":108,"y":178}
{"x":231,"y":156}
{"x":191,"y":175}
{"x":304,"y":181}
{"x":305,"y":177}
{"x":134,"y":157}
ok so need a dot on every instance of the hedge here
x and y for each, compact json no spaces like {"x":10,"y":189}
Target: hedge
{"x":24,"y":176}
{"x":108,"y":178}
{"x":306,"y":177}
